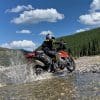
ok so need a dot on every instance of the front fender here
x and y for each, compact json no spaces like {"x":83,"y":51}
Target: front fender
{"x":38,"y":62}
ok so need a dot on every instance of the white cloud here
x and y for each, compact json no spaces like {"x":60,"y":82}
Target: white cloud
{"x":20,"y":8}
{"x":46,"y":32}
{"x":82,"y":30}
{"x":90,"y":19}
{"x":24,"y":31}
{"x":24,"y":44}
{"x":95,"y":5}
{"x":38,"y":15}
{"x":93,"y":17}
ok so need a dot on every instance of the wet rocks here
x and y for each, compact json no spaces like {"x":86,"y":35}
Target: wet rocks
{"x":88,"y":64}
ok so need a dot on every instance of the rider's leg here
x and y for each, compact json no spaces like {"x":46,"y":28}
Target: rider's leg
{"x":52,"y":55}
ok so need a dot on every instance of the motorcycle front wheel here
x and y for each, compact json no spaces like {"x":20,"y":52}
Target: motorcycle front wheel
{"x":70,"y":64}
{"x":38,"y":69}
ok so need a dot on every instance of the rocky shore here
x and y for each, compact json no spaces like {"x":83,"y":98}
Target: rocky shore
{"x":88,"y":64}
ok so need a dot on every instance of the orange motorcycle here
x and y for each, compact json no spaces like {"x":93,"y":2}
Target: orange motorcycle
{"x":44,"y":63}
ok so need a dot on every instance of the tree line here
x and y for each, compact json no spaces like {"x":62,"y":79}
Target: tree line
{"x":84,"y":43}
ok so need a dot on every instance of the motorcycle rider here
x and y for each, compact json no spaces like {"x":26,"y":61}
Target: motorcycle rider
{"x":47,"y":47}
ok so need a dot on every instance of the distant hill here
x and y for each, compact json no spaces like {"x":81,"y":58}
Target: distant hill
{"x":84,"y":43}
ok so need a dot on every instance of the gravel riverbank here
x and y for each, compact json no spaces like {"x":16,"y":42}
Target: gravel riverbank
{"x":88,"y":64}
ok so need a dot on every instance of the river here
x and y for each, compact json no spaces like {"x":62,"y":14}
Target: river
{"x":18,"y":82}
{"x":72,"y":86}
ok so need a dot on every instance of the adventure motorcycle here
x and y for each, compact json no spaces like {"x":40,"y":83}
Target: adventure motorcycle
{"x":44,"y":63}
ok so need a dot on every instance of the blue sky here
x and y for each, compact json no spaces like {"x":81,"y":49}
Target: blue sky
{"x":24,"y":23}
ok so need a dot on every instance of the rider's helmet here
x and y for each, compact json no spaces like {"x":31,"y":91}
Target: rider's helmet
{"x":48,"y":36}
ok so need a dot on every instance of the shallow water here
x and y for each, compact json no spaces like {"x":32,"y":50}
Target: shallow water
{"x":72,"y":86}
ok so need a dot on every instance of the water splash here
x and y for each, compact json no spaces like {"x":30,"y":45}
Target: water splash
{"x":19,"y":71}
{"x":20,"y":74}
{"x":16,"y":58}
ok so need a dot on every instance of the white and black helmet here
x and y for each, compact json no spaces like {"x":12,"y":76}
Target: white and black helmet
{"x":48,"y":36}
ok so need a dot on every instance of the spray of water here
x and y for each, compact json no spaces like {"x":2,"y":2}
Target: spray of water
{"x":21,"y":74}
{"x":20,"y":71}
